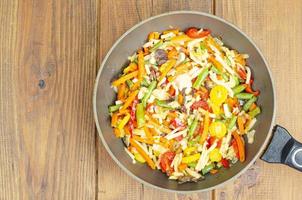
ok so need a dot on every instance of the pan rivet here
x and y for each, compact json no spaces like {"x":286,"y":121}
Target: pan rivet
{"x":297,"y":158}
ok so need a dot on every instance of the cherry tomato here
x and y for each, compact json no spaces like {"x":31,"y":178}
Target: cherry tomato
{"x":218,"y":129}
{"x":193,"y":32}
{"x":225,"y":163}
{"x":215,"y":155}
{"x":200,"y":104}
{"x":210,"y":141}
{"x":165,"y":162}
{"x":218,"y":94}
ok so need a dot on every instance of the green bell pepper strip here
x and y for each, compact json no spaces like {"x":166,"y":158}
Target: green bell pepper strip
{"x":239,"y":88}
{"x":156,"y":46}
{"x":147,"y":95}
{"x":244,"y":95}
{"x":207,"y":169}
{"x":145,"y":83}
{"x":248,"y":104}
{"x":254,"y":112}
{"x":129,"y":83}
{"x":193,"y":126}
{"x":193,"y":164}
{"x":200,"y":78}
{"x":114,"y":108}
{"x":236,"y":80}
{"x":163,"y":104}
{"x":140,"y":115}
{"x":214,"y":69}
{"x":232,"y":122}
{"x":225,"y":77}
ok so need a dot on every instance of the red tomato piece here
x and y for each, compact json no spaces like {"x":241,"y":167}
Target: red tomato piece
{"x":225,"y":163}
{"x":193,"y":32}
{"x":166,"y":160}
{"x":210,"y":141}
{"x":200,"y":104}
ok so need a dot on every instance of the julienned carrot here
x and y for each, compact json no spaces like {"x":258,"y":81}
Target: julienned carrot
{"x":240,"y":145}
{"x":153,"y":131}
{"x":143,"y":153}
{"x":124,"y":78}
{"x":205,"y":131}
{"x":121,"y":91}
{"x":182,"y":166}
{"x":131,"y":67}
{"x":117,"y":132}
{"x":143,"y":140}
{"x":159,"y":127}
{"x":153,"y":122}
{"x":240,"y":123}
{"x":148,"y":133}
{"x":141,"y":66}
{"x":129,"y":100}
{"x":180,"y":99}
{"x":114,"y":118}
{"x":215,"y":62}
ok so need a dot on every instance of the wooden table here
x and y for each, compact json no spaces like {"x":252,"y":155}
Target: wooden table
{"x":49,"y":56}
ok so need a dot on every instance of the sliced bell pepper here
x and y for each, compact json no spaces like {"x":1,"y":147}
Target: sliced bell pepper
{"x":166,"y":67}
{"x":123,"y":122}
{"x":124,"y":78}
{"x":129,"y":100}
{"x":131,"y":67}
{"x":240,"y":145}
{"x":240,"y":123}
{"x":190,"y":159}
{"x":205,"y":131}
{"x":143,"y":153}
{"x":141,"y":66}
{"x":140,"y":115}
{"x":193,"y":126}
{"x":200,"y":78}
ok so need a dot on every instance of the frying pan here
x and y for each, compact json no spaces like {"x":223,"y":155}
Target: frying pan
{"x":282,"y":149}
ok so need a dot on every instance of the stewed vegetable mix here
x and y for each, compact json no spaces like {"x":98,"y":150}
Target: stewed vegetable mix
{"x":185,"y":104}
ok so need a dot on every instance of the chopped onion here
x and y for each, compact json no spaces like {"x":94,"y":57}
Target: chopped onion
{"x":250,"y":136}
{"x":248,"y":75}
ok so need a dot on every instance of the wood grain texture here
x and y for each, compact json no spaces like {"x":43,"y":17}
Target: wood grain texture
{"x":276,"y":28}
{"x":117,"y":17}
{"x":48,"y":66}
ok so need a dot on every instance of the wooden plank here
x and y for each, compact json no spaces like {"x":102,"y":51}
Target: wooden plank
{"x":116,"y":18}
{"x":276,"y":28}
{"x":48,"y":66}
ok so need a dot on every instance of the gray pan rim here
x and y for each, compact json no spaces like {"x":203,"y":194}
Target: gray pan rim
{"x":264,"y":145}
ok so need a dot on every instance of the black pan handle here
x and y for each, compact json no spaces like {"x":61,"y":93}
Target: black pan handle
{"x":284,"y":149}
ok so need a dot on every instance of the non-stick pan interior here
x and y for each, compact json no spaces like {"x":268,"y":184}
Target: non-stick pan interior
{"x":117,"y":59}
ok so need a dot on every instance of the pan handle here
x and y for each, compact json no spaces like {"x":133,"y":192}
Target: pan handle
{"x":284,"y":149}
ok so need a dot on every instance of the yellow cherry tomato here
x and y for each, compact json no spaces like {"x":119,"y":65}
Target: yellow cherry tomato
{"x":218,"y":129}
{"x":216,"y":109}
{"x":218,"y":94}
{"x":215,"y":155}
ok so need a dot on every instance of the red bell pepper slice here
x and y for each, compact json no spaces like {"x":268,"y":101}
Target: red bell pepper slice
{"x":193,"y":32}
